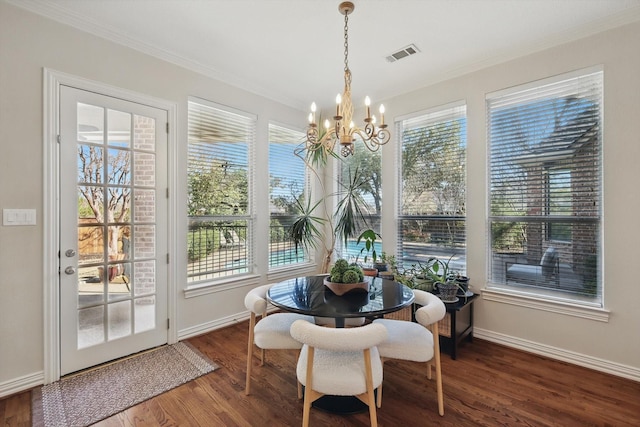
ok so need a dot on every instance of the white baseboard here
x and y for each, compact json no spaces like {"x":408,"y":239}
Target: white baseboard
{"x":203,"y":328}
{"x":579,"y":359}
{"x":20,"y":384}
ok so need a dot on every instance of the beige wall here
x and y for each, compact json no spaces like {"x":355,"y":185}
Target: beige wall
{"x":612,"y":346}
{"x":29,"y":42}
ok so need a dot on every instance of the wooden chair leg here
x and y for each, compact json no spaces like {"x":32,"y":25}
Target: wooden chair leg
{"x":436,"y":345}
{"x":379,"y":399}
{"x":252,"y":323}
{"x":297,"y":381}
{"x":370,"y":396}
{"x":308,"y":391}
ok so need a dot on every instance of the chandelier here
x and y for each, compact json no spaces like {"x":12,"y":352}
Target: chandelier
{"x":344,"y":131}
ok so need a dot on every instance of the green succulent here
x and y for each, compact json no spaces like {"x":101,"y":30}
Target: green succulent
{"x":350,"y":276}
{"x":342,"y":272}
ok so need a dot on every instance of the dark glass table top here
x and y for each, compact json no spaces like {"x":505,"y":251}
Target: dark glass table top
{"x":308,"y":295}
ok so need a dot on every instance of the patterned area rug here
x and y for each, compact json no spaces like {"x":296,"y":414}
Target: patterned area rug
{"x":91,"y":396}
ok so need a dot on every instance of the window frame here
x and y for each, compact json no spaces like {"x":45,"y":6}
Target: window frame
{"x":545,"y":298}
{"x":436,"y":115}
{"x":245,"y":244}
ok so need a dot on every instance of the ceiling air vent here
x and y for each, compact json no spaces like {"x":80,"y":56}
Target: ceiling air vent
{"x":403,"y":53}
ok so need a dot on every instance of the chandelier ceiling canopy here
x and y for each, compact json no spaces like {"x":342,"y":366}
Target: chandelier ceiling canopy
{"x":344,"y":131}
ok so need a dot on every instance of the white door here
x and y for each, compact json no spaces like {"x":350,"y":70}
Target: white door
{"x":113,"y":230}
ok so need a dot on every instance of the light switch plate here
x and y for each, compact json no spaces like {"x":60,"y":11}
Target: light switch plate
{"x":18,"y":217}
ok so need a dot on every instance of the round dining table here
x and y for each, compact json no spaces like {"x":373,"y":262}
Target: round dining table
{"x":308,"y":295}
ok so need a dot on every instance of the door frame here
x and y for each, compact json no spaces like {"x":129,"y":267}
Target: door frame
{"x":52,"y":80}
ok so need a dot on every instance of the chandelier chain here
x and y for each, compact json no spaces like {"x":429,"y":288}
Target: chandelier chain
{"x":346,"y":42}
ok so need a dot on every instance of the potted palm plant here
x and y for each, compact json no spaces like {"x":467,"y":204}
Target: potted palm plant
{"x":314,"y":224}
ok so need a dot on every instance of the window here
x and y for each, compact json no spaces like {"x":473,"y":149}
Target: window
{"x":432,"y":214}
{"x":545,"y":193}
{"x":361,"y":175}
{"x":219,"y":191}
{"x":287,"y":186}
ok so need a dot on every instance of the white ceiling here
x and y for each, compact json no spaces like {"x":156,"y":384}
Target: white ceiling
{"x":292,"y":50}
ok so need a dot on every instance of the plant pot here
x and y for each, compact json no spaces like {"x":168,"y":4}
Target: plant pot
{"x":380,"y":266}
{"x":463,"y":281}
{"x":372,"y":272}
{"x":343,"y":288}
{"x":423,"y":284}
{"x":447,"y":291}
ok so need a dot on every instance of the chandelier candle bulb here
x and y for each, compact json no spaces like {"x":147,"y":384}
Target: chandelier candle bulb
{"x":367,"y":102}
{"x":313,"y":110}
{"x":338,"y":101}
{"x":381,"y":115}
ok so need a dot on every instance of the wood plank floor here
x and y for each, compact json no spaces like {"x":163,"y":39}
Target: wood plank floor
{"x":488,"y":385}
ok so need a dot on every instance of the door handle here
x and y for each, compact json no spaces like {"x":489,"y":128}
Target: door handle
{"x":70,"y":270}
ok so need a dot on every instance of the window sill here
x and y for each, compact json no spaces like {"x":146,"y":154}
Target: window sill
{"x":221,"y":285}
{"x":278,"y":274}
{"x":538,"y":302}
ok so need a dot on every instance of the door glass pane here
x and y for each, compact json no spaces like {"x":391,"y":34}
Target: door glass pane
{"x":145,"y":205}
{"x":119,"y":165}
{"x":90,"y":203}
{"x":144,"y":173}
{"x":90,"y":161}
{"x":144,"y":241}
{"x":145,"y":314}
{"x":90,"y":326}
{"x":119,"y":128}
{"x":144,"y":137}
{"x":90,"y":123}
{"x":119,"y":319}
{"x":145,"y":277}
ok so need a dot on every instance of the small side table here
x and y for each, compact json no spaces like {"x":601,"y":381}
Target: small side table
{"x":457,"y":325}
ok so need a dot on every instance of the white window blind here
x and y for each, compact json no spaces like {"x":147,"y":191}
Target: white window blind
{"x":220,"y":180}
{"x":545,"y":192}
{"x":287,"y":185}
{"x":432,"y":213}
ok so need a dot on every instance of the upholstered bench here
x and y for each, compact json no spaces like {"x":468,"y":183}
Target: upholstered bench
{"x":548,"y":270}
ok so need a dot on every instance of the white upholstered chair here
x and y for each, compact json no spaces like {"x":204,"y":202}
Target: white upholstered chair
{"x":418,"y":342}
{"x":339,"y":361}
{"x":270,"y":332}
